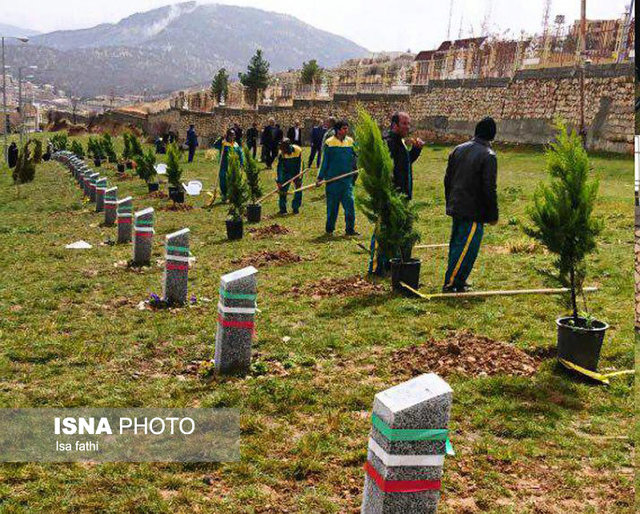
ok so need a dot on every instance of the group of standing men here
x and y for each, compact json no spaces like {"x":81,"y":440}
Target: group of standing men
{"x":470,"y":180}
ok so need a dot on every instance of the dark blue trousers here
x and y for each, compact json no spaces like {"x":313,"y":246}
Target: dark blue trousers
{"x":464,"y":245}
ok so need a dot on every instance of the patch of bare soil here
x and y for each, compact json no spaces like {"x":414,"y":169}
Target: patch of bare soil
{"x":121,"y":177}
{"x":268,"y":258}
{"x":464,"y":353}
{"x":347,"y":286}
{"x":157,"y":194}
{"x":176,"y":207}
{"x":268,"y":231}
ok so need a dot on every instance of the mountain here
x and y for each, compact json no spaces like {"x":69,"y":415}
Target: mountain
{"x":13,"y":31}
{"x":176,"y":46}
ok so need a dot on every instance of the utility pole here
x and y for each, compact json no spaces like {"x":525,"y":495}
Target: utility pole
{"x":20,"y":101}
{"x":450,"y":16}
{"x":5,"y":118}
{"x":4,"y":97}
{"x":583,"y":47}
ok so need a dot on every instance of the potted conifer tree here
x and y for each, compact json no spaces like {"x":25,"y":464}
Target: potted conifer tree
{"x":174,"y":174}
{"x":76,"y":148}
{"x":95,"y":149}
{"x":391,"y":212}
{"x":237,"y":196}
{"x":254,"y":209}
{"x":108,"y":148}
{"x":563,"y":221}
{"x":145,"y":168}
{"x":126,"y":151}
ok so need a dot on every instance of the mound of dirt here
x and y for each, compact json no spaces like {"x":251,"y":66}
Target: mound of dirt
{"x":347,"y":286}
{"x":267,"y":258}
{"x":464,"y":353}
{"x":268,"y":231}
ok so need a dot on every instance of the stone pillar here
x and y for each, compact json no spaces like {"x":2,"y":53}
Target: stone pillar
{"x":176,"y":268}
{"x":93,"y":185}
{"x":143,"y":236}
{"x":86,"y":182}
{"x":101,"y":187}
{"x":124,"y":213}
{"x":93,"y":178}
{"x":407,"y":445}
{"x":236,"y":314}
{"x":110,"y":205}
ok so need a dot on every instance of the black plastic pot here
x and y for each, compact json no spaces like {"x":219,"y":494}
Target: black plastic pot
{"x":580,"y":345}
{"x":153,"y":187}
{"x":46,"y":156}
{"x":129,"y":165}
{"x":234,"y":229}
{"x":254,"y":212}
{"x":176,"y":194}
{"x":120,"y":167}
{"x":97,"y":162}
{"x":405,"y":271}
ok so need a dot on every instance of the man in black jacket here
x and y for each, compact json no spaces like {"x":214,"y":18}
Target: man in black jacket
{"x":470,"y":186}
{"x":267,"y":141}
{"x":252,"y":138}
{"x":12,"y":155}
{"x":294,"y":134}
{"x":238,"y":132}
{"x":403,"y":159}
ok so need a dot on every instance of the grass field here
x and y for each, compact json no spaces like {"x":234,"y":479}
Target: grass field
{"x":71,"y":335}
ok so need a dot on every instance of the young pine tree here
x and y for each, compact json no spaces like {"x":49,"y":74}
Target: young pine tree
{"x":37,"y":151}
{"x":25,"y":169}
{"x":174,"y":171}
{"x":108,"y":148}
{"x":253,"y":175}
{"x":393,"y":214}
{"x":76,"y":148}
{"x":562,"y":212}
{"x":237,"y":190}
{"x":126,"y":152}
{"x":145,"y":166}
{"x":134,"y":145}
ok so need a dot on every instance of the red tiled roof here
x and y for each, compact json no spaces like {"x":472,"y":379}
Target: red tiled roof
{"x":425,"y":55}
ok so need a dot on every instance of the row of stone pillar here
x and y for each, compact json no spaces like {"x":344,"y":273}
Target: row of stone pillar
{"x":135,"y":227}
{"x":409,"y":425}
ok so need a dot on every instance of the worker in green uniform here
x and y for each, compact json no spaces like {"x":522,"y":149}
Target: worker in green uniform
{"x":339,"y":157}
{"x":289,"y":165}
{"x":225,"y":146}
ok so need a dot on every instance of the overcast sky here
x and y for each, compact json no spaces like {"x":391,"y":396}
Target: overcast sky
{"x":374,"y":24}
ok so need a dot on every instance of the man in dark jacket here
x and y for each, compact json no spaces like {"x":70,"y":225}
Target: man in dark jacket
{"x":402,"y":156}
{"x":317,"y":135}
{"x":269,"y":142}
{"x":252,"y":138}
{"x":192,"y":141}
{"x":238,"y":132}
{"x":470,"y":186}
{"x":403,"y":159}
{"x":12,"y":155}
{"x":294,"y":134}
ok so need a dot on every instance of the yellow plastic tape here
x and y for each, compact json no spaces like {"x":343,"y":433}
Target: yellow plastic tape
{"x":603,"y":378}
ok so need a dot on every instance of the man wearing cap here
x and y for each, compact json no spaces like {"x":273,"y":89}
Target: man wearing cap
{"x":289,"y":165}
{"x":470,"y":186}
